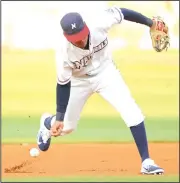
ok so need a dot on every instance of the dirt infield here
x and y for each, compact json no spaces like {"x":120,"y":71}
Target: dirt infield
{"x":85,"y":159}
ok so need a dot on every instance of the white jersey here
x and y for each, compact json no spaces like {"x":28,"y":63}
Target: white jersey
{"x":77,"y":62}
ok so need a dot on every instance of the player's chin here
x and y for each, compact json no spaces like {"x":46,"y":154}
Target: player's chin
{"x":80,"y":45}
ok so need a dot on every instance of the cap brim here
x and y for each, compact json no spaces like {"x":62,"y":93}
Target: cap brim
{"x":78,"y":36}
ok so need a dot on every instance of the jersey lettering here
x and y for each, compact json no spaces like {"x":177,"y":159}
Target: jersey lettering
{"x":84,"y":61}
{"x":100,"y":46}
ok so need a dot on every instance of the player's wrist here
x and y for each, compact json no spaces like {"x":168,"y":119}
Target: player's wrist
{"x":150,"y":22}
{"x":60,"y":116}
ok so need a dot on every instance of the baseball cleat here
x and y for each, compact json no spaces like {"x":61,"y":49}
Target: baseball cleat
{"x":150,"y":168}
{"x":44,"y":136}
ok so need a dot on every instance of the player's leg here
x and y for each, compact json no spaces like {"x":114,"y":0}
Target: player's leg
{"x":80,"y":92}
{"x":116,"y":92}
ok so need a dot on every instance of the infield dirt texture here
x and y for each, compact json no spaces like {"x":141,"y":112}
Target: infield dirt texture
{"x":85,"y":159}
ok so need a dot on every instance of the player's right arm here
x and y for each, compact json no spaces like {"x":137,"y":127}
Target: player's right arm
{"x":64,"y":73}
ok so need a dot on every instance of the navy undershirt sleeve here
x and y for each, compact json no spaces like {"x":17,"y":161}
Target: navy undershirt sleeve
{"x":134,"y":16}
{"x":62,"y":99}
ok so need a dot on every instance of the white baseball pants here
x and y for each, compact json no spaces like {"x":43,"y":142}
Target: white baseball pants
{"x":111,"y":86}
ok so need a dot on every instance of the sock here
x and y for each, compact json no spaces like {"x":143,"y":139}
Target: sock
{"x":139,"y":134}
{"x":48,"y":122}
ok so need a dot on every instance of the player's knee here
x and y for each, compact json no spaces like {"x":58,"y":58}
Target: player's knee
{"x":134,"y":123}
{"x":133,"y":116}
{"x":136,"y":120}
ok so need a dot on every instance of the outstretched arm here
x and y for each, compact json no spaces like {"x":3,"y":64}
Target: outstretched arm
{"x":64,"y":72}
{"x":133,"y":16}
{"x":158,"y":28}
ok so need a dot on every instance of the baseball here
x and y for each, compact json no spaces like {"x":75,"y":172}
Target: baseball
{"x":34,"y":152}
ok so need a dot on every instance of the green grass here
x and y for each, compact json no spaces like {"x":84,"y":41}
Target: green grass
{"x":163,"y":178}
{"x":113,"y":130}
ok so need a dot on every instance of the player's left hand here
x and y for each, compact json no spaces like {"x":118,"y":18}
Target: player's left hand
{"x":56,"y":128}
{"x":159,"y":34}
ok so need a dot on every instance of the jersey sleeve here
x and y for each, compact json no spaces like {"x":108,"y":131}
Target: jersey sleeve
{"x":109,"y":17}
{"x":64,"y":71}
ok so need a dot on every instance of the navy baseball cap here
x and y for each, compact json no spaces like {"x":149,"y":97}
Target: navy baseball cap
{"x":74,"y":27}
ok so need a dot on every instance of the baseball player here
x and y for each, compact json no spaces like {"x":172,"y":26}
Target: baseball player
{"x":85,"y":66}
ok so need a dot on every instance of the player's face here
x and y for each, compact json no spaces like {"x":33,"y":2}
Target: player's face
{"x":81,"y":43}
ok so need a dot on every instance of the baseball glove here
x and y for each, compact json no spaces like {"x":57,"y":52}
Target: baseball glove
{"x":159,"y":34}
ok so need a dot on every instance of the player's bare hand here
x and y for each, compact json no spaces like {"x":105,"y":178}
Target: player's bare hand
{"x":56,"y":128}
